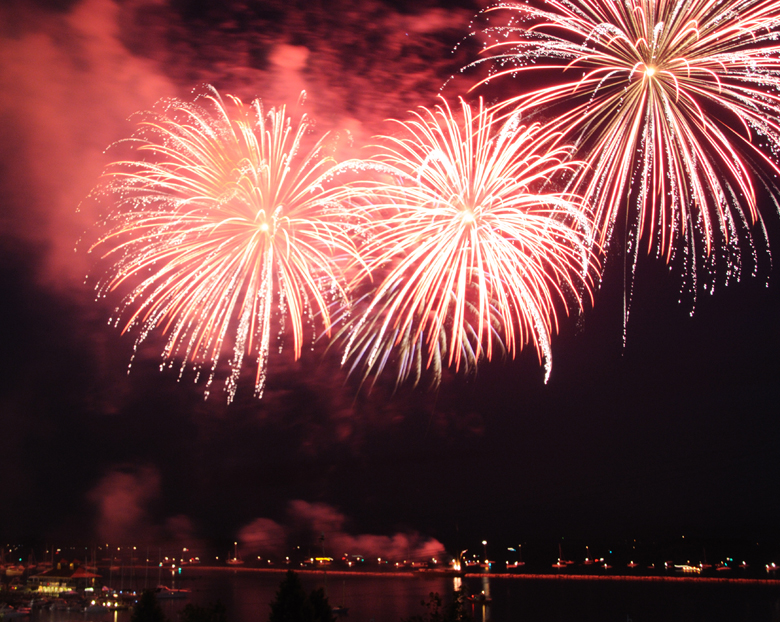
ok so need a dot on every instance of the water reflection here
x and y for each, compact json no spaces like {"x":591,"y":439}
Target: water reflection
{"x":247,"y":596}
{"x":479,"y":600}
{"x":486,"y":599}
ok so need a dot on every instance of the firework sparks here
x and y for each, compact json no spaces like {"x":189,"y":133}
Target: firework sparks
{"x":222,"y":226}
{"x":671,"y":102}
{"x":474,"y":248}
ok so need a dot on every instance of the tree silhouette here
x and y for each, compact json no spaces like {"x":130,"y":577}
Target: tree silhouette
{"x":147,"y":609}
{"x":454,"y":611}
{"x":209,"y":613}
{"x":293,"y":605}
{"x":321,"y":609}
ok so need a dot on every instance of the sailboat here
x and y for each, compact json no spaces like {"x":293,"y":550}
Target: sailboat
{"x":341,"y":610}
{"x":588,"y":561}
{"x":236,"y":559}
{"x":561,"y":563}
{"x":165,"y":592}
{"x":519,"y":562}
{"x":31,"y":563}
{"x":14,"y":570}
{"x":10,"y":569}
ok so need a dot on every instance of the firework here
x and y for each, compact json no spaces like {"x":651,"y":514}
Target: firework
{"x":670,"y":101}
{"x":224,"y":229}
{"x":471,"y":250}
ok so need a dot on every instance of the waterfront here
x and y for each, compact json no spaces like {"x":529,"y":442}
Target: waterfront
{"x":247,"y":593}
{"x":392,"y":598}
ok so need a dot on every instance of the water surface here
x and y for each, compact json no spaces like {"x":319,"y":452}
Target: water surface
{"x":247,"y":596}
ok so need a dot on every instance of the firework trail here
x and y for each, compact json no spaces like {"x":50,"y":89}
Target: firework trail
{"x":670,"y":101}
{"x":224,"y":230}
{"x":470,"y":250}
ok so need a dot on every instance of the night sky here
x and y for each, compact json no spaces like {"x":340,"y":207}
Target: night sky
{"x":674,"y":433}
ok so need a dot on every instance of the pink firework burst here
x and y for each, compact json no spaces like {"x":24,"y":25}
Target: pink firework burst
{"x":224,"y":230}
{"x":473,"y":250}
{"x":670,"y":103}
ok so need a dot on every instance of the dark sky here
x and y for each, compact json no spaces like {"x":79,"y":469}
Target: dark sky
{"x":674,"y":433}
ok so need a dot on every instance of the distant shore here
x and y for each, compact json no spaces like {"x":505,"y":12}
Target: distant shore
{"x":493,"y":575}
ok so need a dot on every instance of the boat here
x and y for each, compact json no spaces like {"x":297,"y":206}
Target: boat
{"x":163,"y":591}
{"x":518,"y":563}
{"x":588,"y":561}
{"x":96,"y":607}
{"x":341,"y":610}
{"x":117,"y":605}
{"x":7,"y":612}
{"x":58,"y":604}
{"x":236,"y":559}
{"x":480,"y":599}
{"x":14,"y":570}
{"x":561,"y":563}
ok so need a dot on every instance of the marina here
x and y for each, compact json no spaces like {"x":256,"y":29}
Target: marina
{"x":392,"y":596}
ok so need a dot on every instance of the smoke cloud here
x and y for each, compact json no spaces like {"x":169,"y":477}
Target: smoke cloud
{"x":72,"y":73}
{"x":312,"y":521}
{"x":122,"y":497}
{"x":67,"y":87}
{"x":263,"y":536}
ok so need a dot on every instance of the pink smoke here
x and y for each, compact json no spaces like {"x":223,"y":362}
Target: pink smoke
{"x":263,"y":536}
{"x":122,"y":497}
{"x":320,"y":519}
{"x":67,"y":87}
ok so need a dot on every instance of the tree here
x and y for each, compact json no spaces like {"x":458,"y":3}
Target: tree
{"x":293,"y":605}
{"x":321,"y":609}
{"x":454,"y":611}
{"x":209,"y":613}
{"x":147,"y":609}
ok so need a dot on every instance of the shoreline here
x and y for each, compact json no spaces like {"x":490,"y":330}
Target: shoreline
{"x":497,"y":575}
